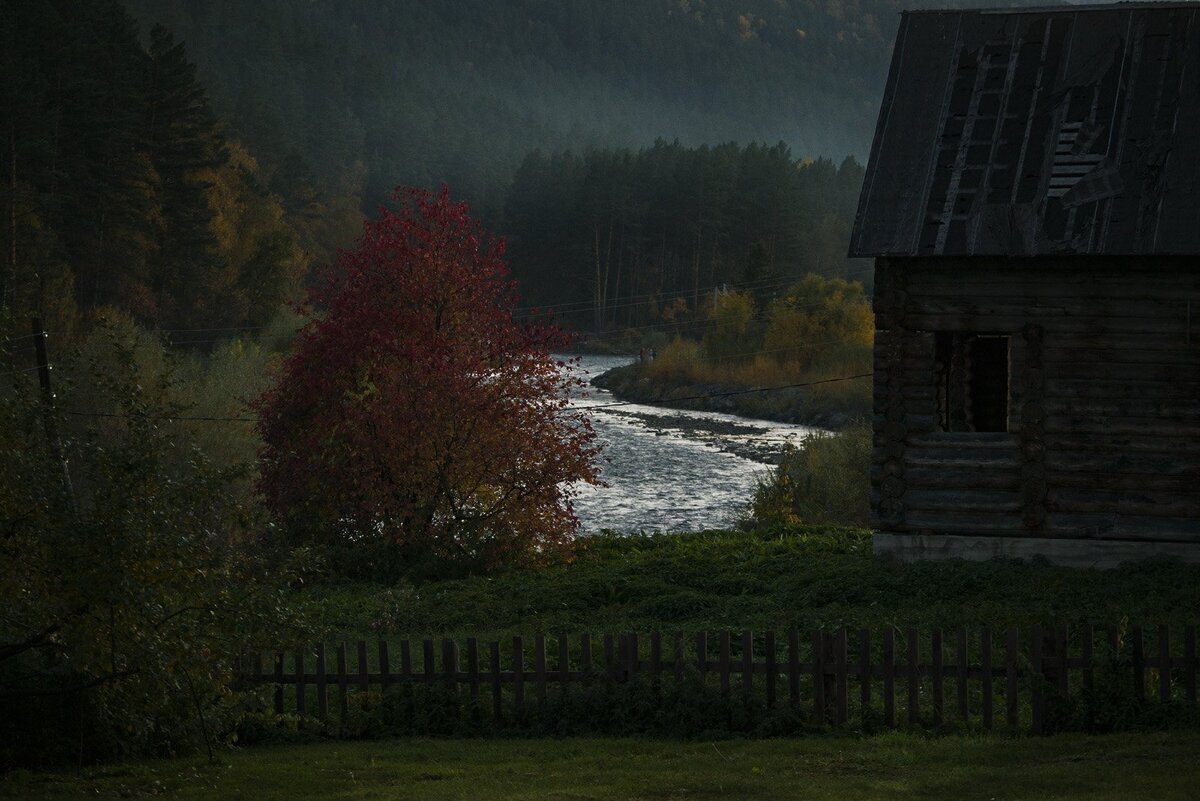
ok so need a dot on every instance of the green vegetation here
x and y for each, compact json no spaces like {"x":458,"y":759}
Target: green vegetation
{"x":807,"y":576}
{"x":817,"y":332}
{"x":136,"y":568}
{"x":826,"y":480}
{"x":1068,"y":768}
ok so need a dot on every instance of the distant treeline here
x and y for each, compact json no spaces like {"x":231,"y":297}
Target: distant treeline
{"x":618,"y":238}
{"x":120,"y":189}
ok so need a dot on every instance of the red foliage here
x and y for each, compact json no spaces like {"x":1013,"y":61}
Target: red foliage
{"x":416,"y":408}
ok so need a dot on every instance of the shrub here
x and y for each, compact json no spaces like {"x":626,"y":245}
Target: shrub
{"x":826,"y":480}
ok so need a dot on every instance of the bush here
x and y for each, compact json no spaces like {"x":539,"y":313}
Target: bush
{"x":126,"y":590}
{"x":825,"y":481}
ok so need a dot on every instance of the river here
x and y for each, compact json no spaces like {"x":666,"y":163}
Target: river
{"x":670,"y":469}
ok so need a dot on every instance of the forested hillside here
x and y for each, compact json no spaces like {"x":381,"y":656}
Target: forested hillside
{"x":416,"y":92}
{"x":618,"y":238}
{"x":120,"y":189}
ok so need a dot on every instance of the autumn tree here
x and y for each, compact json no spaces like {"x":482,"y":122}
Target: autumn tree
{"x":416,"y":409}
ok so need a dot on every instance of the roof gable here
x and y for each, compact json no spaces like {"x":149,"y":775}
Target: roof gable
{"x":1046,"y":131}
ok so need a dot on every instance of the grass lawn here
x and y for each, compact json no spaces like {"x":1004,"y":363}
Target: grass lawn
{"x":803,"y":576}
{"x":1118,"y":767}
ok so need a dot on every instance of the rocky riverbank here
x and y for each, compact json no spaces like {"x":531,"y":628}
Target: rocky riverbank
{"x":801,"y":405}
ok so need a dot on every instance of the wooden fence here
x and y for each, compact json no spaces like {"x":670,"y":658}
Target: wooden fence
{"x":988,"y":681}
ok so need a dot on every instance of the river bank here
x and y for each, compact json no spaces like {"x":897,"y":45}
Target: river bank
{"x":809,"y":406}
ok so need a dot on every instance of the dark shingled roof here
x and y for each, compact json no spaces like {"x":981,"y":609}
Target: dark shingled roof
{"x":1067,"y":130}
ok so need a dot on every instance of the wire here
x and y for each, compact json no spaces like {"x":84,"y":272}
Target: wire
{"x":18,"y":372}
{"x":164,"y":417}
{"x":731,"y":392}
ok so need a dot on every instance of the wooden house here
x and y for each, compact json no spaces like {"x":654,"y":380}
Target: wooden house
{"x":1032,"y":203}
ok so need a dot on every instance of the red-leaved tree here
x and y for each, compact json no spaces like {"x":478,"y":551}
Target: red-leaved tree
{"x":417,"y":410}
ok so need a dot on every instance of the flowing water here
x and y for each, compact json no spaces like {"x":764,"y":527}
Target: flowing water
{"x":669,"y":469}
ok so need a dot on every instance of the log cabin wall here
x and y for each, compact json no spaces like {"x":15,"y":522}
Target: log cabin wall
{"x":1100,"y":459}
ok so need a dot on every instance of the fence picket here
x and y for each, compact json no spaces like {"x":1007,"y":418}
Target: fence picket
{"x":864,"y":672}
{"x":747,"y":661}
{"x":301,"y":700}
{"x":724,"y":663}
{"x":406,"y":671}
{"x":385,"y":667}
{"x":1164,"y":664}
{"x":1010,"y":669}
{"x":1046,"y":678}
{"x":964,"y":713}
{"x":564,"y":661}
{"x":473,"y":668}
{"x":794,"y":666}
{"x":818,"y":675}
{"x":1085,"y":643}
{"x":772,"y":669}
{"x":889,"y":677}
{"x":610,"y":660}
{"x":1139,"y":663}
{"x":985,"y":664}
{"x":914,"y":677}
{"x":364,"y":669}
{"x":1036,"y":678}
{"x":539,"y":669}
{"x":343,"y":680}
{"x":938,"y":675}
{"x":1189,"y":658}
{"x":841,"y":673}
{"x":278,"y":683}
{"x":518,"y":676}
{"x":497,"y":687}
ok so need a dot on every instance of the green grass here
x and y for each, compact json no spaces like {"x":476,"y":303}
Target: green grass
{"x":803,"y":576}
{"x":1118,"y":767}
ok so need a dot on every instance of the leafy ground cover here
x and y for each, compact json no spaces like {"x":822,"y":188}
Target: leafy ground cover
{"x":804,"y":576}
{"x":1150,"y":766}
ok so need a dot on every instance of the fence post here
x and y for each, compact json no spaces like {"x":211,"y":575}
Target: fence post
{"x":702,"y":655}
{"x":656,"y":655}
{"x":632,"y":655}
{"x":1086,"y":644}
{"x":610,"y":662}
{"x":864,"y":671}
{"x":518,"y":676}
{"x":679,"y":658}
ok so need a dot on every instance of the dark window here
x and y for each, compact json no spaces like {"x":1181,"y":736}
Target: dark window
{"x":970,"y":373}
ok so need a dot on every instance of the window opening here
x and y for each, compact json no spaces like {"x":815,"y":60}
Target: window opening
{"x":971,"y":381}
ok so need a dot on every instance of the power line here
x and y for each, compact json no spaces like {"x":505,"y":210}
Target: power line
{"x":162,"y":417}
{"x":730,"y":393}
